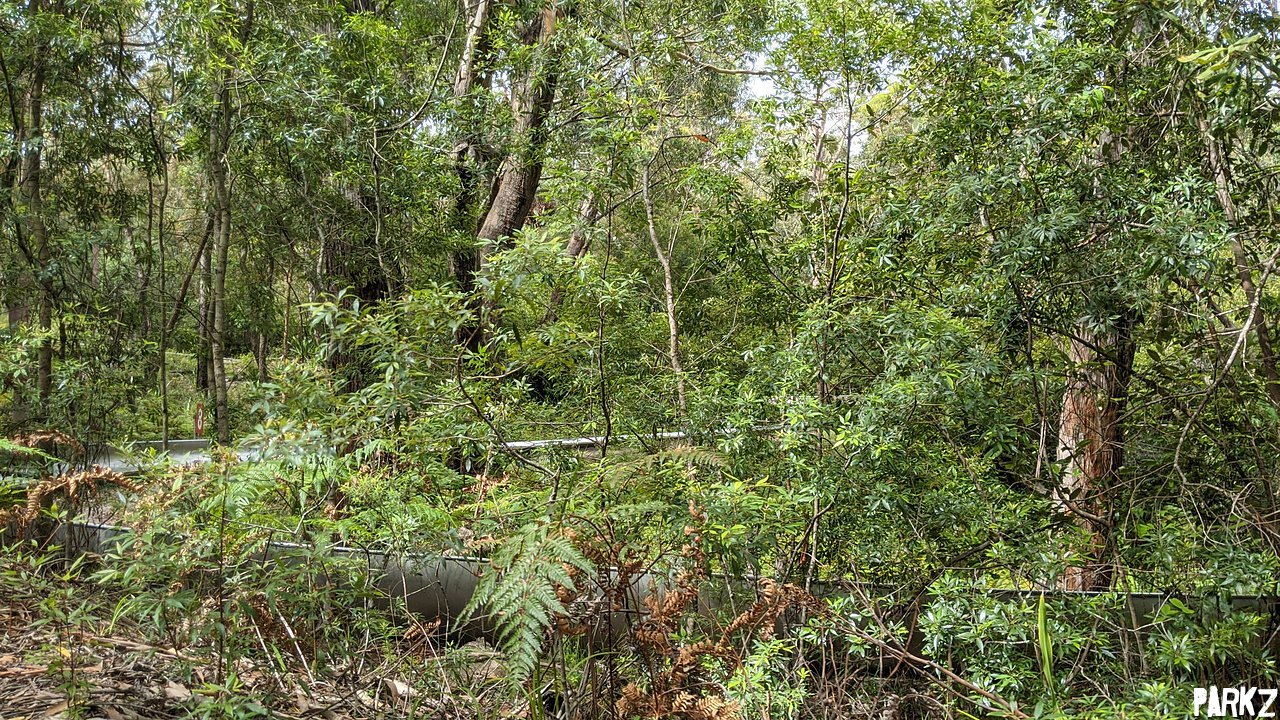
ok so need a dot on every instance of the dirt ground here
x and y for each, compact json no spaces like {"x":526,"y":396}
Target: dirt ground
{"x":83,"y":667}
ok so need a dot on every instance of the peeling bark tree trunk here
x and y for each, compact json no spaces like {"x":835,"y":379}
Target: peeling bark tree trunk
{"x":1091,"y":440}
{"x":668,"y":294}
{"x":1091,"y":426}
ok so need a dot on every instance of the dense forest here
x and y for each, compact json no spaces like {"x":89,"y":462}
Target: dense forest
{"x":909,"y":358}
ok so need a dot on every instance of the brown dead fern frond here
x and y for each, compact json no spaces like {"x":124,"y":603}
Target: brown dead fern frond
{"x":633,"y":701}
{"x":773,"y":600}
{"x":70,"y":485}
{"x":636,"y":702}
{"x":48,"y":440}
{"x":677,"y":684}
{"x":706,"y":707}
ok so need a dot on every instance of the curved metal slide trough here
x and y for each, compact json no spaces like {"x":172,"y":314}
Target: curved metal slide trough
{"x":431,"y":586}
{"x":441,"y":586}
{"x":196,"y":451}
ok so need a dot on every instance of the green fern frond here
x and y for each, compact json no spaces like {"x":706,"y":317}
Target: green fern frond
{"x":9,"y":446}
{"x":679,"y":455}
{"x":700,"y":456}
{"x":519,"y":592}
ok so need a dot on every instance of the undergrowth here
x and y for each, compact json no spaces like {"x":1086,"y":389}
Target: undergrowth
{"x":616,"y":590}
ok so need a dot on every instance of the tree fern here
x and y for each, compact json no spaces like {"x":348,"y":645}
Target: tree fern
{"x":519,"y":591}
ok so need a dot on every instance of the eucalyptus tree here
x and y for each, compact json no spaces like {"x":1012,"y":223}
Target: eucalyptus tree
{"x":1094,"y":189}
{"x":1048,"y":183}
{"x":543,"y":71}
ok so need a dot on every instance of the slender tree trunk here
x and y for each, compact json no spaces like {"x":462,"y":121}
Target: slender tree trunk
{"x":287,"y":308}
{"x":219,"y":137}
{"x":17,"y":300}
{"x":204,"y":310}
{"x":574,"y":249}
{"x":31,"y":212}
{"x":1220,"y":167}
{"x":260,"y":354}
{"x":44,"y":356}
{"x":18,"y":316}
{"x":668,"y":293}
{"x":162,"y":204}
{"x":164,"y":325}
{"x":220,"y":194}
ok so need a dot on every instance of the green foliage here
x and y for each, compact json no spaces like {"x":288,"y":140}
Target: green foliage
{"x":519,"y":591}
{"x":767,"y":684}
{"x":899,"y":245}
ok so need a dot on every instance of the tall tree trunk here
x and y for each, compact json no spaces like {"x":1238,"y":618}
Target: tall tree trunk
{"x":668,"y":294}
{"x":219,"y":136}
{"x":161,"y":206}
{"x":220,"y":191}
{"x":516,"y":186}
{"x":531,"y":102}
{"x":465,"y":78}
{"x":1220,"y":167}
{"x":1091,"y":425}
{"x":465,"y":262}
{"x":1091,"y":439}
{"x":31,"y":212}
